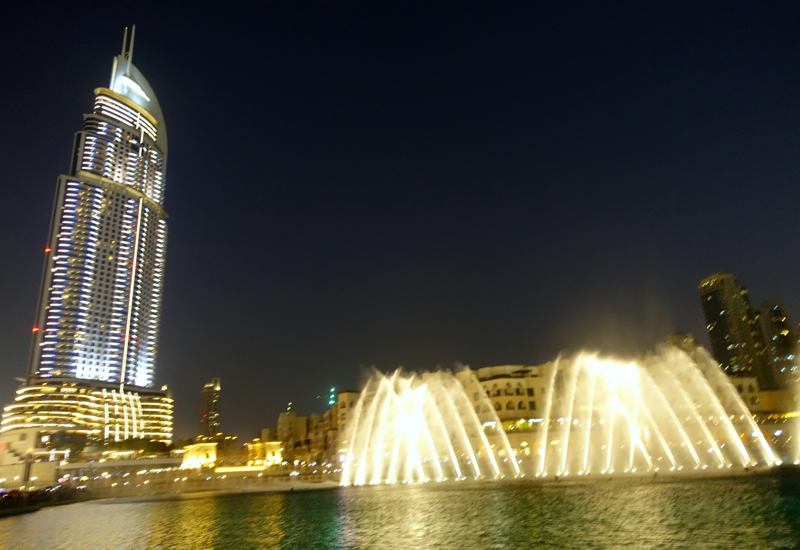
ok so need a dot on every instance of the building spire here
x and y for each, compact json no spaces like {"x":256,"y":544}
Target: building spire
{"x":124,"y":41}
{"x":127,"y":47}
{"x":130,"y":48}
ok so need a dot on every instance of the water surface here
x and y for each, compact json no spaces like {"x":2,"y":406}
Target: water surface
{"x":754,"y":512}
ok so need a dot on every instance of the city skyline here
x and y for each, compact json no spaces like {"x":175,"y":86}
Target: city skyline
{"x":485,"y":183}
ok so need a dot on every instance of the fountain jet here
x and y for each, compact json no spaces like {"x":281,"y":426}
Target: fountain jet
{"x":667,"y":410}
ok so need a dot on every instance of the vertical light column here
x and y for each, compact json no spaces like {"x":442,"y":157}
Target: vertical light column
{"x":133,"y":280}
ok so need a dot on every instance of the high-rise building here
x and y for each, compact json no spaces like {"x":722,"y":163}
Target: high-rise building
{"x":779,"y":339}
{"x":100,"y":302}
{"x":733,"y":329}
{"x":99,"y":308}
{"x":209,"y":408}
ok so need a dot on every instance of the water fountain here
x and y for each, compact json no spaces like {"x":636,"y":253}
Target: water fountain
{"x":665,"y":412}
{"x":408,"y":428}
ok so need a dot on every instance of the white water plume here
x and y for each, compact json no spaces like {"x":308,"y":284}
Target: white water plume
{"x":407,"y":427}
{"x":664,"y":412}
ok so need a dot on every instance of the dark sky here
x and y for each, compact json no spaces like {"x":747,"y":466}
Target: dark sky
{"x":418,"y":183}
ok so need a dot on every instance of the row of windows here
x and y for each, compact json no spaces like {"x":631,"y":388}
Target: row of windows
{"x":508,"y":391}
{"x":510,"y":406}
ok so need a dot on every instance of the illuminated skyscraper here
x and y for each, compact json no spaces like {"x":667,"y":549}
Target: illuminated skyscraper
{"x":100,"y":302}
{"x":209,"y":408}
{"x":779,"y":340}
{"x":733,"y":329}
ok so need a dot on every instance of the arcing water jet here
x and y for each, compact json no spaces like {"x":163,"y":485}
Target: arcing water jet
{"x":666,"y":411}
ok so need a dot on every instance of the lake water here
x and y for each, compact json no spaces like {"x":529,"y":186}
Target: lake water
{"x":752,"y":512}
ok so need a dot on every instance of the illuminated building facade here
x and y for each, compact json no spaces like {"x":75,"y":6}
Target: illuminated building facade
{"x":779,"y":340}
{"x":264,"y":453}
{"x":199,"y":455}
{"x":96,"y":409}
{"x":100,"y":303}
{"x":209,"y":408}
{"x":513,"y":390}
{"x":733,"y":329}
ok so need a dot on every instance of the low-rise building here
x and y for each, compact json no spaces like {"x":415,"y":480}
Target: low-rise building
{"x":515,"y":392}
{"x":224,"y":442}
{"x":291,"y":426}
{"x":25,"y":462}
{"x":347,"y":401}
{"x":747,"y":388}
{"x":199,"y":455}
{"x":264,"y":453}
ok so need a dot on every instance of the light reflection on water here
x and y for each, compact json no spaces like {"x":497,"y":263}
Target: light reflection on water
{"x":762,"y":512}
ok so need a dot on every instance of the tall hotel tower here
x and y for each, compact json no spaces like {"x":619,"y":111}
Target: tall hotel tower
{"x":95,"y":338}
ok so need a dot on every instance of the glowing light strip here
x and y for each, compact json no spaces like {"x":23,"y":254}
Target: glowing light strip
{"x":133,"y":270}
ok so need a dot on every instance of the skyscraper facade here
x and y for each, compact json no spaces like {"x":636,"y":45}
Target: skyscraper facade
{"x":733,"y":329}
{"x":100,"y":302}
{"x":210,"y":408}
{"x":779,"y":340}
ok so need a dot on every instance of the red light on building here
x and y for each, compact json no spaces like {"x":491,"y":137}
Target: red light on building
{"x":35,"y":329}
{"x":47,"y":250}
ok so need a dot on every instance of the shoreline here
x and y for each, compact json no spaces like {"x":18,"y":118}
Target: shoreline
{"x":299,"y":487}
{"x":243,"y":487}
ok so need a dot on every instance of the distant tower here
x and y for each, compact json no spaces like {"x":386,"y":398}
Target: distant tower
{"x":736,"y":340}
{"x":779,"y":339}
{"x":209,"y":408}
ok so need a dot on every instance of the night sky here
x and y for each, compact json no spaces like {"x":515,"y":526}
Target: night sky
{"x":418,"y":183}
